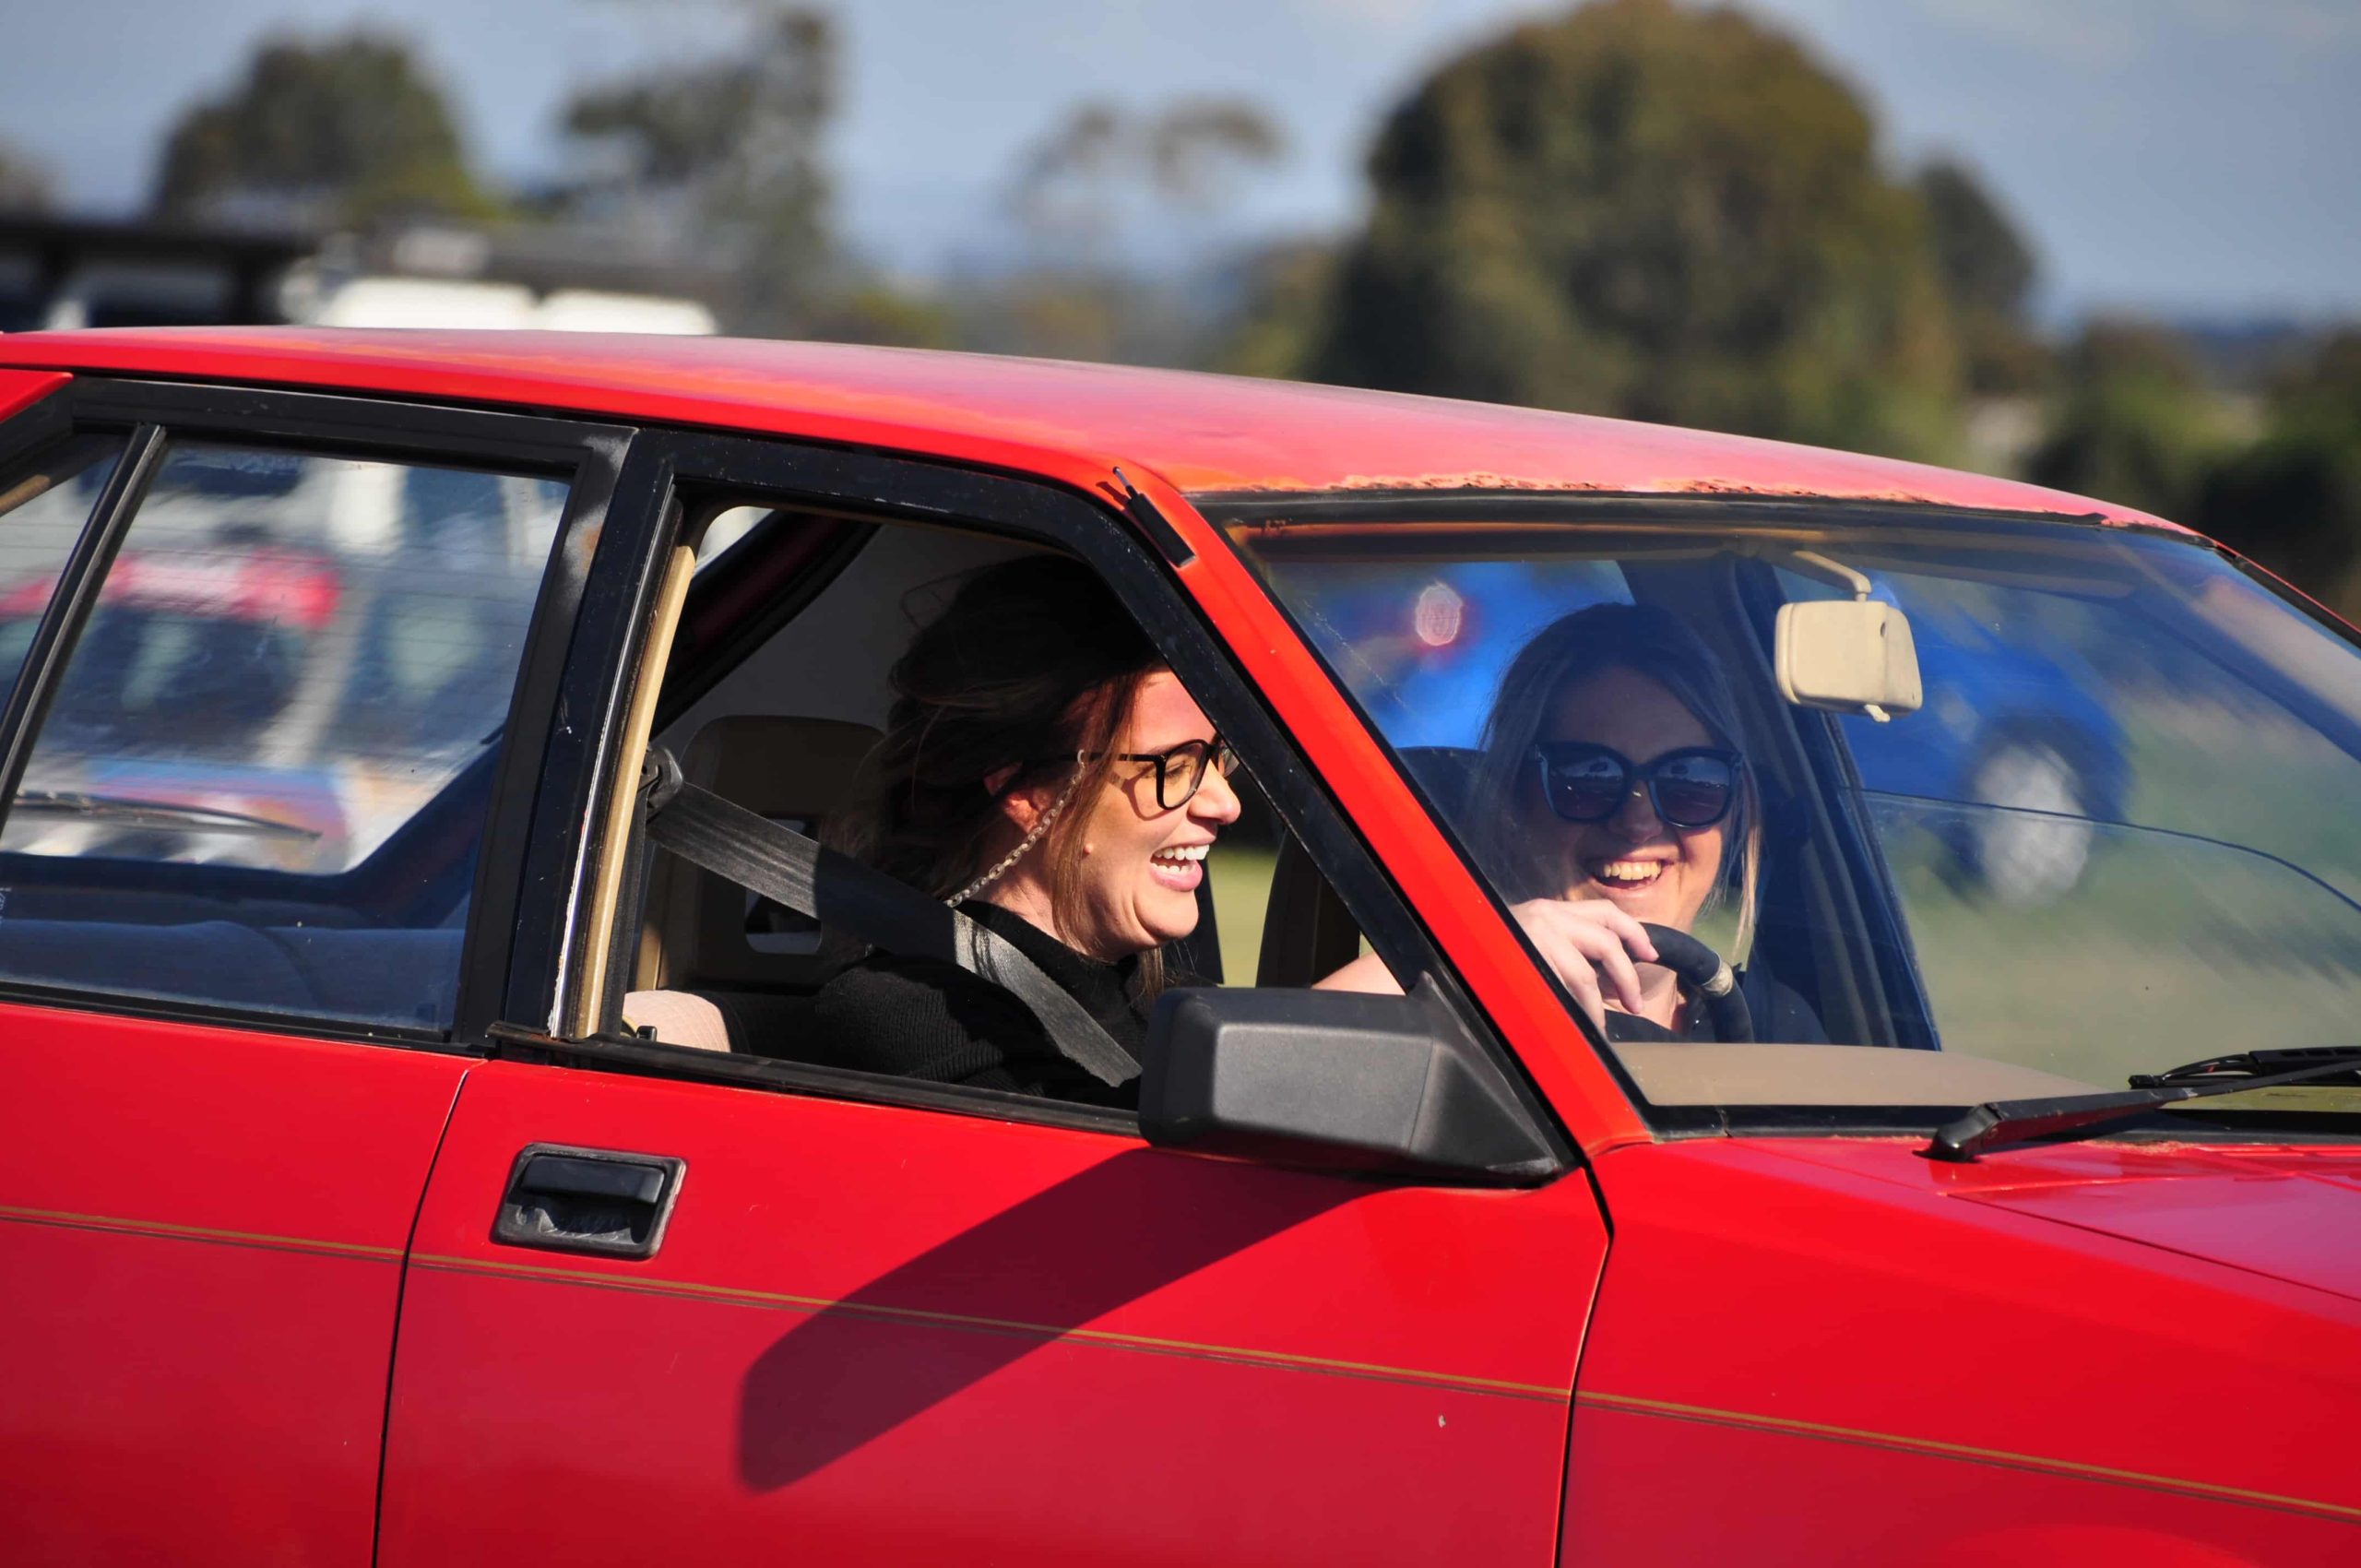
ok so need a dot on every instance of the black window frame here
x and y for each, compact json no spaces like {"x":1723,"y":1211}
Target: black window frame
{"x":673,"y":475}
{"x":588,"y":455}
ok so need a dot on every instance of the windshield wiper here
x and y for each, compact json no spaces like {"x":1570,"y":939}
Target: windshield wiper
{"x":2014,"y":1121}
{"x":128,"y":812}
{"x":2246,"y":1066}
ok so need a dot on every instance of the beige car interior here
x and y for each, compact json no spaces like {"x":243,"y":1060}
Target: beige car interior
{"x":1709,"y":1073}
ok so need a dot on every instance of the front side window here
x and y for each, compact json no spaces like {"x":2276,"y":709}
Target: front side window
{"x":2115,"y":836}
{"x":940,"y":706}
{"x":292,"y":662}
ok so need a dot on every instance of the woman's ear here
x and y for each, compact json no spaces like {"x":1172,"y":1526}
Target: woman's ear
{"x":1023,"y":807}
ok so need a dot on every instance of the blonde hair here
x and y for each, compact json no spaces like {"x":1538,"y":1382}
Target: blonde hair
{"x":1568,"y":652}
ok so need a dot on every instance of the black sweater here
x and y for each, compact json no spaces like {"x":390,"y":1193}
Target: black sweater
{"x":924,"y":1019}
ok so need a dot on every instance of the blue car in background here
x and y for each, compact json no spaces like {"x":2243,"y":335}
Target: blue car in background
{"x":2034,"y":739}
{"x":2011,"y":721}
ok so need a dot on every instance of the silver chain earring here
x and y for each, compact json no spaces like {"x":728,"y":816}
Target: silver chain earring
{"x":1032,"y":837}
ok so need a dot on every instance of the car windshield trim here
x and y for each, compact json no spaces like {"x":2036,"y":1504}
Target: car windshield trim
{"x":1396,"y":513}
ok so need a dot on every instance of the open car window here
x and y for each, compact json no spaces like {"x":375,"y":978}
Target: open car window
{"x":777,"y":694}
{"x":2112,"y":838}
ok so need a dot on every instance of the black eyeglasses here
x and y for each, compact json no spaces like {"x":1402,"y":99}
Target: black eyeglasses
{"x":1180,"y":772}
{"x":1689,"y":787}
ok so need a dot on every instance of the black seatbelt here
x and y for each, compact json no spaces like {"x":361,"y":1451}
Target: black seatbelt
{"x":801,"y":875}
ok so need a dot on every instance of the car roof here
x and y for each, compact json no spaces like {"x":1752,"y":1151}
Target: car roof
{"x":1201,"y":434}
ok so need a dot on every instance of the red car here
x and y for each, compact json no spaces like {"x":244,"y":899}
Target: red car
{"x":349,"y":1215}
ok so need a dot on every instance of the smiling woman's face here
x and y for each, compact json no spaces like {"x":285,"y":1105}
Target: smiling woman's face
{"x":1140,"y":863}
{"x":1649,"y":869}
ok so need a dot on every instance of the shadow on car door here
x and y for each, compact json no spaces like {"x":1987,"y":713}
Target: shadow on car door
{"x":876,"y":1333}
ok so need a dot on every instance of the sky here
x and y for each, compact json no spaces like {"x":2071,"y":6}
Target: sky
{"x":2192,"y":158}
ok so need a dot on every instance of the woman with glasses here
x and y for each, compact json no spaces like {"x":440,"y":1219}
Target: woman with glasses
{"x":1610,"y":792}
{"x":1043,"y":771}
{"x":1614,"y":742}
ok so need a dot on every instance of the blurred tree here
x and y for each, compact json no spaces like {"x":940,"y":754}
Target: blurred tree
{"x":732,"y":147}
{"x":1075,"y":314}
{"x":1065,"y":179}
{"x":1103,"y":167}
{"x":1279,"y":292}
{"x":2293,"y":500}
{"x":1643,"y":209}
{"x":1099,"y":196}
{"x":24,"y":181}
{"x":1195,"y":146}
{"x":344,"y":129}
{"x":878,"y":311}
{"x":1989,"y":273}
{"x":2134,"y":422}
{"x":2323,"y":394}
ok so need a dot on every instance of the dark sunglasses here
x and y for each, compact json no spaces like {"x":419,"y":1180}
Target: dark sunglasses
{"x":1693,"y":787}
{"x":1180,"y":772}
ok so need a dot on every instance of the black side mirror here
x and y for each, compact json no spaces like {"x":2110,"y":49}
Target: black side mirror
{"x":1335,"y":1080}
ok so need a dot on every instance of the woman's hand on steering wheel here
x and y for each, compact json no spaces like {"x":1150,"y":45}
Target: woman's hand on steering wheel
{"x":1592,"y":947}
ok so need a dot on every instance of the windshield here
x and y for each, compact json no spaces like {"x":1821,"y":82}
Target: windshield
{"x":2112,"y":835}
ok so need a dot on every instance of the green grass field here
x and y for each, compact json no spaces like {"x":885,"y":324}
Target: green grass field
{"x":1242,"y":876}
{"x":2167,"y":949}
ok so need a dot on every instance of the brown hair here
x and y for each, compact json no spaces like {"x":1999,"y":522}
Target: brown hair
{"x":1032,"y":664}
{"x":1577,"y":647}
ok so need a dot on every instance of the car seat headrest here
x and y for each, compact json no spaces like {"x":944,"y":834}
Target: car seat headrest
{"x":780,"y":767}
{"x":696,"y":930}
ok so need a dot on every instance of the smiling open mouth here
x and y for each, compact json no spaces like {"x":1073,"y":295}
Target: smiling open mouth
{"x":1627,"y":873}
{"x":1181,"y":867}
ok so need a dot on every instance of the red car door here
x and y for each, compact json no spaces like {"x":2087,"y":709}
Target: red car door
{"x":886,"y":1324}
{"x":880,"y":1334}
{"x":235,"y":881}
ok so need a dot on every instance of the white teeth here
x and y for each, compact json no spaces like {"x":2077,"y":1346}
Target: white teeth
{"x":1631,"y":870}
{"x":1181,"y":853}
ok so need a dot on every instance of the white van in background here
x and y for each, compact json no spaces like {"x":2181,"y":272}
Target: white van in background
{"x":312,"y":298}
{"x":151,"y":294}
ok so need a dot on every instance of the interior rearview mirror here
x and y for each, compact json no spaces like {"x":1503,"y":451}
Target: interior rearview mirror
{"x":1335,"y":1080}
{"x":1854,"y":656}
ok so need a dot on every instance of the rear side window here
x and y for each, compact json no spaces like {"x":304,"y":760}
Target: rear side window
{"x":261,"y":777}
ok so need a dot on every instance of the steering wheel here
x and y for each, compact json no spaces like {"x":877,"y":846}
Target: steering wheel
{"x":1705,"y":972}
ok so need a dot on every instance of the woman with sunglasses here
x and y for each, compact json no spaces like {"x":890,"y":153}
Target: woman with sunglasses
{"x":1043,"y":771}
{"x":1610,"y":792}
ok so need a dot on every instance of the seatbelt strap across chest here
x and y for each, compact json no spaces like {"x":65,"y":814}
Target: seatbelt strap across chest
{"x":799,"y":873}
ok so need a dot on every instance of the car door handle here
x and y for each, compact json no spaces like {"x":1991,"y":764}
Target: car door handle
{"x":589,"y":1200}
